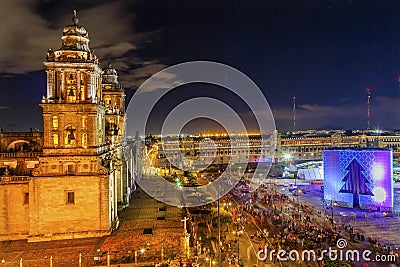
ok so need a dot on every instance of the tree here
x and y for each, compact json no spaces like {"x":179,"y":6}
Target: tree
{"x":355,"y":182}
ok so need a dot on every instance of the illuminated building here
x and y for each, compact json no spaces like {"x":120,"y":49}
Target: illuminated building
{"x":309,"y":145}
{"x":359,"y":178}
{"x":201,"y":151}
{"x":302,"y":146}
{"x":67,"y":181}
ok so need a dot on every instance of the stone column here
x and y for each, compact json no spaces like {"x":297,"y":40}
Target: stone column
{"x":50,"y":83}
{"x":89,"y":86}
{"x":93,"y":88}
{"x":78,"y":85}
{"x":62,"y":85}
{"x":61,"y":133}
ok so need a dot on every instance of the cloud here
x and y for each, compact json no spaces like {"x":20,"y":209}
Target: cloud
{"x":26,"y":35}
{"x":314,"y":107}
{"x":139,"y":74}
{"x":115,"y":50}
{"x":345,"y":116}
{"x":25,"y":38}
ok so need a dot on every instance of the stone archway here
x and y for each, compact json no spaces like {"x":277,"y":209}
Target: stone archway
{"x":18,"y":145}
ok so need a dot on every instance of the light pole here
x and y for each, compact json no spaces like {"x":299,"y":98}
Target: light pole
{"x":333,"y":203}
{"x":238,"y":247}
{"x":237,"y":234}
{"x":211,"y":261}
{"x":136,"y":256}
{"x":219,"y":226}
{"x":287,"y":157}
{"x":186,"y":236}
{"x":298,"y":191}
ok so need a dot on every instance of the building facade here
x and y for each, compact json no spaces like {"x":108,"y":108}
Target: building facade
{"x":217,"y":149}
{"x":309,"y":145}
{"x":72,"y":178}
{"x":203,"y":150}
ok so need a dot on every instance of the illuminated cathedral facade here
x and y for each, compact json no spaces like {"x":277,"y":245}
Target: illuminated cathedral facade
{"x":69,"y":181}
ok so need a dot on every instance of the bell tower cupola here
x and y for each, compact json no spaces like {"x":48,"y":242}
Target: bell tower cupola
{"x":75,"y":37}
{"x":73,"y":109}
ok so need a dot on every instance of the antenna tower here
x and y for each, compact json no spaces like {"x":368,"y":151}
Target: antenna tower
{"x":294,"y":113}
{"x":368,"y":90}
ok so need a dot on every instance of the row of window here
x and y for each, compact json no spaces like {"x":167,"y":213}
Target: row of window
{"x":55,"y":122}
{"x":391,"y":140}
{"x":73,"y":90}
{"x":69,"y":197}
{"x":258,"y":152}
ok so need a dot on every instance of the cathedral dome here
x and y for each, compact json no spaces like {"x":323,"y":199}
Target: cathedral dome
{"x":75,"y":30}
{"x":75,"y":37}
{"x":109,"y":70}
{"x":110,"y":75}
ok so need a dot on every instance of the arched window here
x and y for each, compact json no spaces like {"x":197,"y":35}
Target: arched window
{"x":69,"y":136}
{"x":71,"y":83}
{"x":55,"y":140}
{"x":55,"y":122}
{"x":84,"y":122}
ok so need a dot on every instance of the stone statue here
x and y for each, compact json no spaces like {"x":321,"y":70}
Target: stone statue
{"x":50,"y":54}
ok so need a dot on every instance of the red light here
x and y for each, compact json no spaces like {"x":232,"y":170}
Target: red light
{"x":369,"y":89}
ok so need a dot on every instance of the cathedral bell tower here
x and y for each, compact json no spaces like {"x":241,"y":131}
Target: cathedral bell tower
{"x":114,"y":100}
{"x":73,"y":192}
{"x":73,"y":111}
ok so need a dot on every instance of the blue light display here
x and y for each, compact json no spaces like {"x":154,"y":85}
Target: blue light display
{"x":359,"y":178}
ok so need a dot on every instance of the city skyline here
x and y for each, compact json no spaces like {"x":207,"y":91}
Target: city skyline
{"x":98,"y":181}
{"x":323,"y":52}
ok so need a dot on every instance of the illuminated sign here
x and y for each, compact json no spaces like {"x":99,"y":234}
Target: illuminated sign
{"x":359,"y":178}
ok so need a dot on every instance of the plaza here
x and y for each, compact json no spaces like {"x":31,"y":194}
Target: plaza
{"x":122,"y":245}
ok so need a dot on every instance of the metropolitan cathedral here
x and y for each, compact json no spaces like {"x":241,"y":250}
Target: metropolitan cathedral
{"x":70,"y":180}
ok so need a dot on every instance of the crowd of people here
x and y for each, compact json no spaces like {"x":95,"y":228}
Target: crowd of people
{"x":289,"y":225}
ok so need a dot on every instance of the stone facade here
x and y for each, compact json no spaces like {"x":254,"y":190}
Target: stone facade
{"x":67,"y":182}
{"x":53,"y":216}
{"x":14,"y":210}
{"x":200,"y":151}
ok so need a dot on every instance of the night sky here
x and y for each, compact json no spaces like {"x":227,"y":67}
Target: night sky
{"x":323,"y":52}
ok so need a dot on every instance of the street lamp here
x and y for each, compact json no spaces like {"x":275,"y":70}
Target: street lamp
{"x":211,"y":261}
{"x":287,"y":157}
{"x":136,"y":254}
{"x":298,"y":191}
{"x":238,"y":248}
{"x":333,"y":203}
{"x":219,"y":225}
{"x":237,"y":234}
